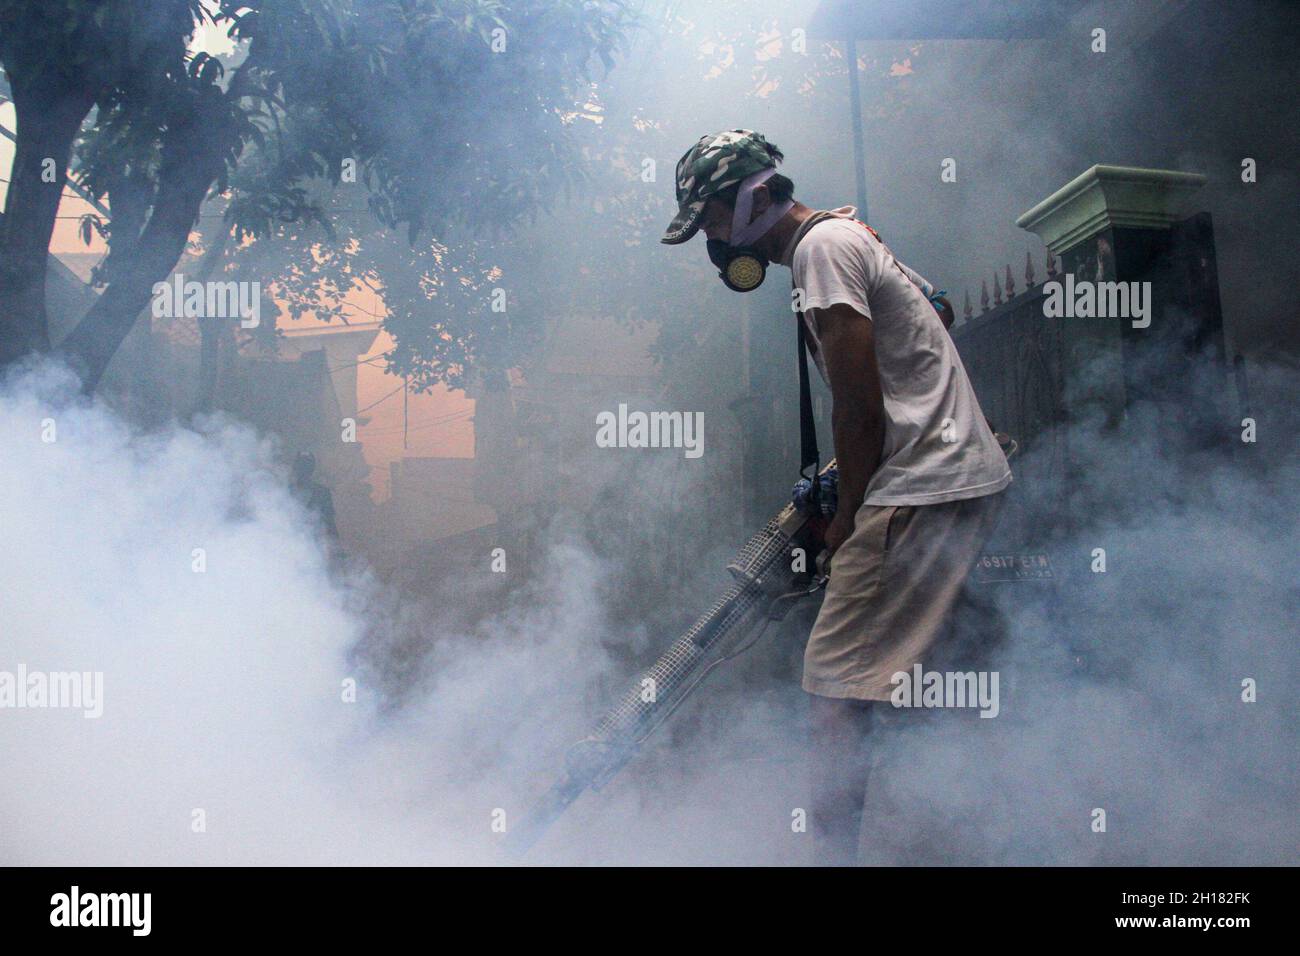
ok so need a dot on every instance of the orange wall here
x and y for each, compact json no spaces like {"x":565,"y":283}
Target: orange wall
{"x":381,"y":437}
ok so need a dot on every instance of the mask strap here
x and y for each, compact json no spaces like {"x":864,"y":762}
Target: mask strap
{"x":744,"y":232}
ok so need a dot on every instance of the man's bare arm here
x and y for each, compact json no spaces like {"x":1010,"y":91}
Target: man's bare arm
{"x":858,"y":413}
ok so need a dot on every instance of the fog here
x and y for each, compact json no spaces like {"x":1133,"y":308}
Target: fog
{"x":276,"y":699}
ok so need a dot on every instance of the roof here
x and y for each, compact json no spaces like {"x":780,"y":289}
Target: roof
{"x":938,"y":19}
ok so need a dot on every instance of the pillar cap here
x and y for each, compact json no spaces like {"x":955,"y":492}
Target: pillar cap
{"x":1107,"y":196}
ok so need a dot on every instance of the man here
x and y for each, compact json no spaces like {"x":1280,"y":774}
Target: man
{"x":919,"y":468}
{"x":315,"y":496}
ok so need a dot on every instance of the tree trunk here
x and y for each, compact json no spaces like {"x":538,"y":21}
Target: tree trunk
{"x":183,"y":184}
{"x":130,"y":197}
{"x":211,"y":329}
{"x":48,"y":118}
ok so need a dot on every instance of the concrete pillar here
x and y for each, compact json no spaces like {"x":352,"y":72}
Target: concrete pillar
{"x":1154,"y":376}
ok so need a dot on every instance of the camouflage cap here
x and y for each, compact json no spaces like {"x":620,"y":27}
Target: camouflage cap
{"x":715,"y":163}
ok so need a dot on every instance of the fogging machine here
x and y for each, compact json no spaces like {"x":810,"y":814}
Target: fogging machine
{"x":779,"y":566}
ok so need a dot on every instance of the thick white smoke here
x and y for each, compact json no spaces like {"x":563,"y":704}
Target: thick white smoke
{"x":1125,"y":690}
{"x":224,"y":689}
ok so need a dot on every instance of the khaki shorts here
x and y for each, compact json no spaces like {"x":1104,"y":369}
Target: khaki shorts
{"x":893,"y":584}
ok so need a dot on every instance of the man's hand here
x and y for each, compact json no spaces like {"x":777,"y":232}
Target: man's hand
{"x":838,"y":531}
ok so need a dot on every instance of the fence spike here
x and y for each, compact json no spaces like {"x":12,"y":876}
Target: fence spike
{"x":965,"y":314}
{"x":1029,"y":270}
{"x":1011,"y":284}
{"x":984,"y":295}
{"x":1051,"y":265}
{"x":997,"y":290}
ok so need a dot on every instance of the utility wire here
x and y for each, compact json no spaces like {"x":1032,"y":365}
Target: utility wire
{"x":384,"y":399}
{"x":455,"y":418}
{"x":369,"y":361}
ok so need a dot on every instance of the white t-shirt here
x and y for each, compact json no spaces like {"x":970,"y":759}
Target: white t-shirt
{"x":938,"y":447}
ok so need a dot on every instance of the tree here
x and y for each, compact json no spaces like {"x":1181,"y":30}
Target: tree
{"x":452,"y":112}
{"x":60,"y":58}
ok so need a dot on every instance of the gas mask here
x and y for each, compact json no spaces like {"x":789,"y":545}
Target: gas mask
{"x":741,"y":270}
{"x":741,"y":267}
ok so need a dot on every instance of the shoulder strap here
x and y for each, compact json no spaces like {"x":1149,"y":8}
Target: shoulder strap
{"x":808,"y":453}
